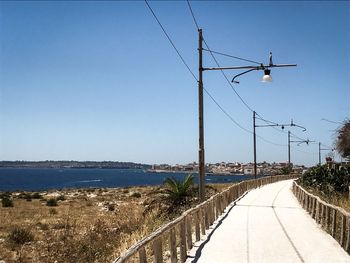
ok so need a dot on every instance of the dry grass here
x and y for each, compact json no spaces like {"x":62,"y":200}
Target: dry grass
{"x":90,"y":225}
{"x":338,"y":199}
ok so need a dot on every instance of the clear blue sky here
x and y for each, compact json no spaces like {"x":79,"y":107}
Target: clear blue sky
{"x":99,"y":80}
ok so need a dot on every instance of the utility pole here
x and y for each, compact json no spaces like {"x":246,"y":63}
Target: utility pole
{"x":319,"y":153}
{"x":289,"y":168}
{"x":266,"y":78}
{"x":254,"y":139}
{"x":201,"y":162}
{"x":300,"y":141}
{"x":273,"y":125}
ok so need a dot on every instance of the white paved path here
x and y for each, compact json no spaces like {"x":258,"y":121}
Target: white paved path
{"x":268,"y":225}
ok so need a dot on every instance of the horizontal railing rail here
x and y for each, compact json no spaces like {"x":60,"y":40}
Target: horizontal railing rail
{"x":333,"y":219}
{"x":171,"y":242}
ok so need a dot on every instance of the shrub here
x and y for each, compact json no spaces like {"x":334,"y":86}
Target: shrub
{"x":176,"y":191}
{"x":51,"y":202}
{"x":61,"y":198}
{"x":20,"y":236}
{"x":327,"y":179}
{"x":6,"y":194}
{"x":36,"y":196}
{"x":111,"y":207}
{"x":28,"y":197}
{"x":43,"y":226}
{"x":284,"y":170}
{"x":53,"y":211}
{"x":6,"y":202}
{"x":136,"y":194}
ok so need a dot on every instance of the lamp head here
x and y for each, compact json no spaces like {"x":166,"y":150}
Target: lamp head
{"x":267,"y":77}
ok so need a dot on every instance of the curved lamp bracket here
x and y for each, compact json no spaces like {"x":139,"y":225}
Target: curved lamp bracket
{"x":240,"y":74}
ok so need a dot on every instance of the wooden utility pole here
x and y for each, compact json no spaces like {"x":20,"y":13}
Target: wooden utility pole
{"x":319,"y":153}
{"x":254,"y":139}
{"x":201,"y":162}
{"x":289,"y":166}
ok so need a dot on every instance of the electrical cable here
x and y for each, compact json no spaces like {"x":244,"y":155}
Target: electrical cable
{"x":184,"y":62}
{"x":171,"y":42}
{"x":230,"y":56}
{"x":216,"y":61}
{"x":206,"y":91}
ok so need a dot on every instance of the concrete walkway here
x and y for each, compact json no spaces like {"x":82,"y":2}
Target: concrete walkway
{"x":268,"y":225}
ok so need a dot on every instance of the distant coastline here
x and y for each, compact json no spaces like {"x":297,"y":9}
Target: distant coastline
{"x":73,"y":164}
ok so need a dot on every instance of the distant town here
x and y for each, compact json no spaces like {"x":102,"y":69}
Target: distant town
{"x":223,"y":168}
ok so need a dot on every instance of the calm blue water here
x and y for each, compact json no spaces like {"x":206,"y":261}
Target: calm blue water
{"x":35,"y":179}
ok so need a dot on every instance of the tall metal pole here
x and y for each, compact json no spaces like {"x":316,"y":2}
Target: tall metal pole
{"x":289,"y":166}
{"x":319,"y":153}
{"x":254,"y":138}
{"x":201,"y":163}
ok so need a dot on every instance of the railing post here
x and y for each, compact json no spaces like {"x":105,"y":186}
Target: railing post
{"x":183,"y":248}
{"x":317,"y":216}
{"x":157,"y":250}
{"x":334,"y":222}
{"x":197,"y":226}
{"x":172,"y":245}
{"x":328,"y":217}
{"x":206,"y":213}
{"x":202,"y":220}
{"x":343,"y":231}
{"x":188,"y":231}
{"x":347,"y":246}
{"x":142,"y":255}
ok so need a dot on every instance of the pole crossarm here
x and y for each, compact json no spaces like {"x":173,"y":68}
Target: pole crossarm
{"x":261,"y":67}
{"x":238,"y":67}
{"x":326,"y":149}
{"x":281,"y":125}
{"x":302,"y":141}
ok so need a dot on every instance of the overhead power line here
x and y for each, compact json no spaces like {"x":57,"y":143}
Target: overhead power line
{"x":230,"y":56}
{"x":206,"y":91}
{"x":191,"y":72}
{"x":171,"y":42}
{"x":223,"y":73}
{"x":216,"y":61}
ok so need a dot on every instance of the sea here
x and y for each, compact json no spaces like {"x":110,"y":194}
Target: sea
{"x":41,"y":179}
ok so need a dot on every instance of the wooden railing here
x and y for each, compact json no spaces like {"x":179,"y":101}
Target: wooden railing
{"x":171,"y":242}
{"x":332,"y":218}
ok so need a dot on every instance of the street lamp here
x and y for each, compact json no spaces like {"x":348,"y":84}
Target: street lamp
{"x":266,"y":78}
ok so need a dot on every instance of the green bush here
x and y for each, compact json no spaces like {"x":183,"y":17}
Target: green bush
{"x":36,"y":196}
{"x":177,"y":191}
{"x":51,"y":202}
{"x":327,"y":179}
{"x":6,"y":194}
{"x":6,"y":202}
{"x":136,"y":194}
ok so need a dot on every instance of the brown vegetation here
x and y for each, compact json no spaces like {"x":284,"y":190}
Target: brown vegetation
{"x":90,"y":225}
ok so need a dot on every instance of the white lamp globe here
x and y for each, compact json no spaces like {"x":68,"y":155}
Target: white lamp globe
{"x":267,"y":77}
